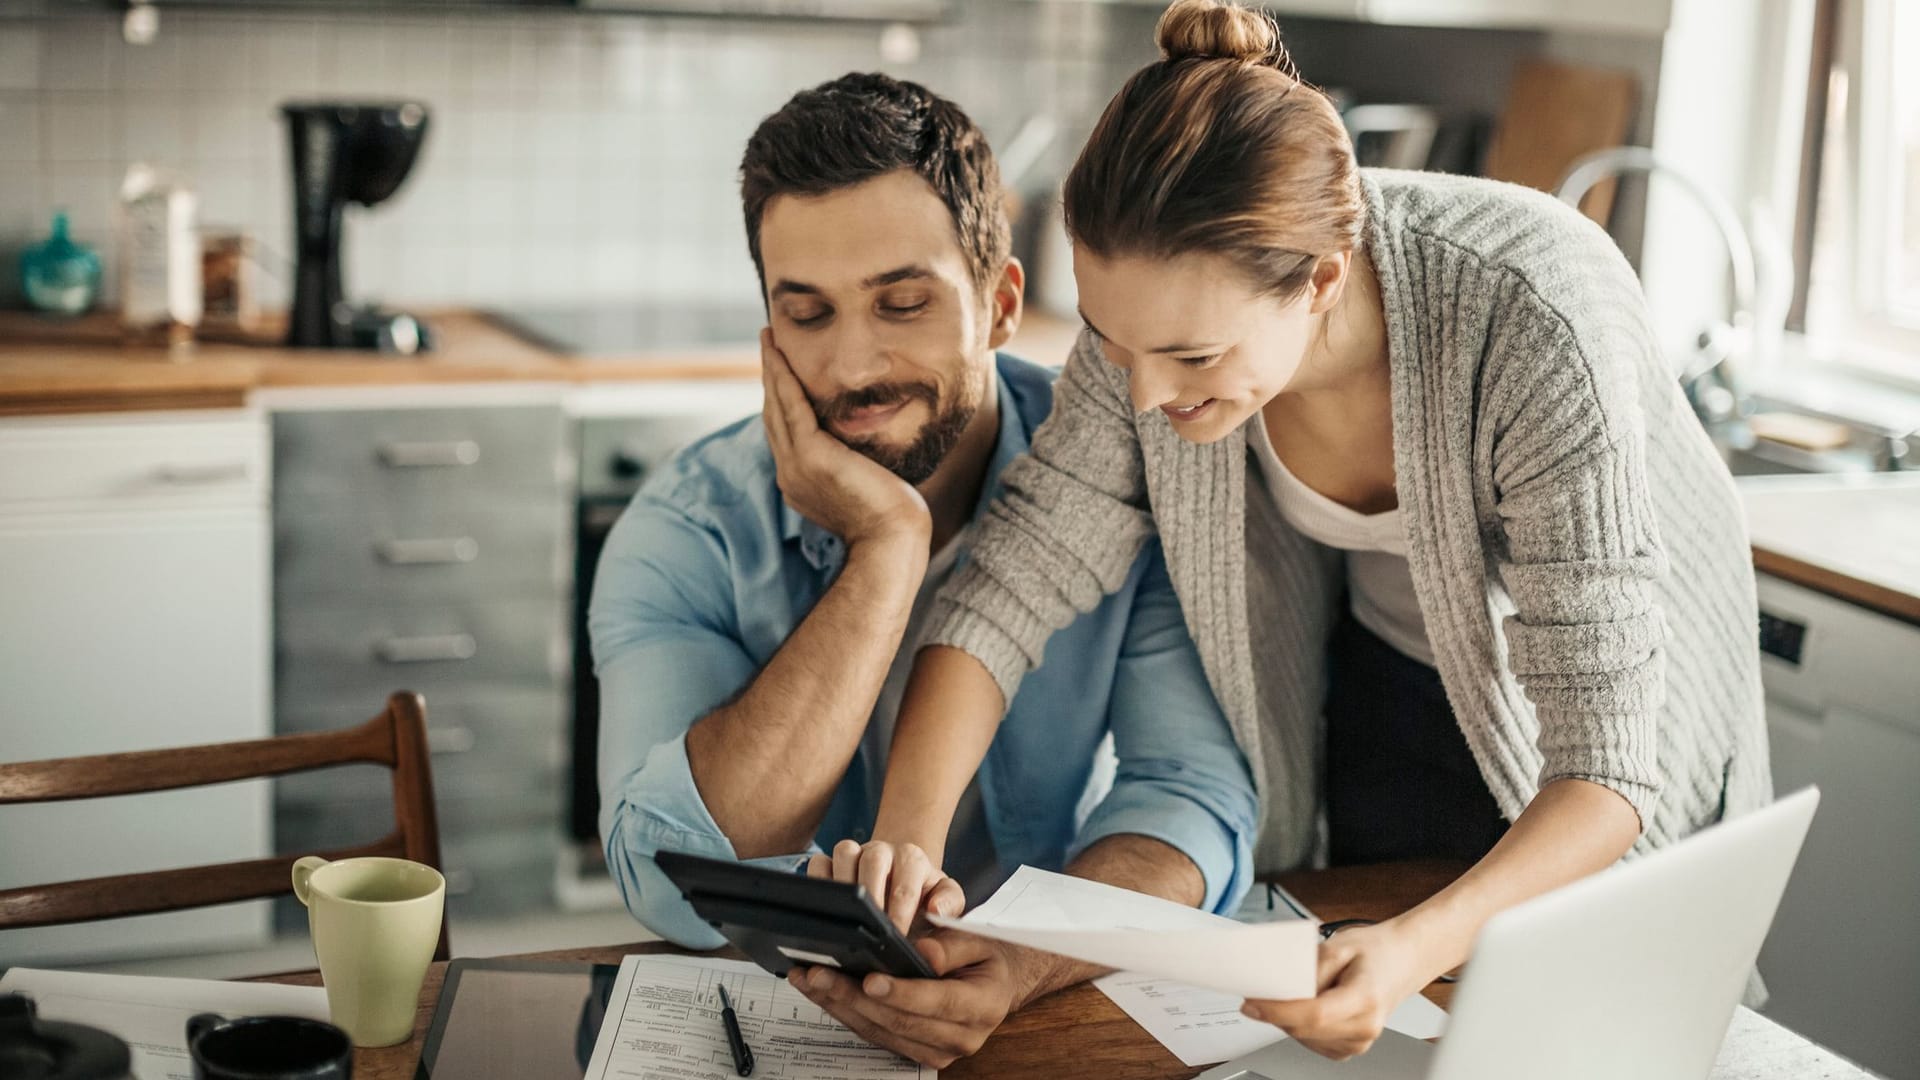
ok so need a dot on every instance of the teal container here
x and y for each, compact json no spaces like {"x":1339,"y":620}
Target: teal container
{"x":58,"y":275}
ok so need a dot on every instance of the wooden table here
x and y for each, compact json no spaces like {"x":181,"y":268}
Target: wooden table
{"x":1076,"y":1032}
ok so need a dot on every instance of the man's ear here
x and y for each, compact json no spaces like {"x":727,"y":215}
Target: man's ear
{"x":1009,"y":302}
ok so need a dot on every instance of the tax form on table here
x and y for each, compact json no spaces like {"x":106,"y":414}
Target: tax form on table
{"x":663,"y":1019}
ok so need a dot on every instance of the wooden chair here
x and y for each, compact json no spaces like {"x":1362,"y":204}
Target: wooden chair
{"x":397,"y":738}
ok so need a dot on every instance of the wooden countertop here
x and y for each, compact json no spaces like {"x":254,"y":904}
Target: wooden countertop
{"x":84,"y":365}
{"x":1854,"y":538}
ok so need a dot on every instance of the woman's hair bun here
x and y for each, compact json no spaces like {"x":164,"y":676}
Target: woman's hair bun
{"x":1219,"y":30}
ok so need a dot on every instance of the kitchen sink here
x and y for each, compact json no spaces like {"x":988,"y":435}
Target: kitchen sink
{"x":1870,"y":450}
{"x":1773,"y":459}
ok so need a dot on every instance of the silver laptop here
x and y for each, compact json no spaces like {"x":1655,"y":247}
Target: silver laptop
{"x":1633,"y":972}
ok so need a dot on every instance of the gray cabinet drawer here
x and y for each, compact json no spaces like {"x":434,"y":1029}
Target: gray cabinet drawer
{"x":505,"y":745}
{"x":411,"y":552}
{"x":302,"y":828}
{"x":501,"y":873}
{"x":356,"y":656}
{"x":434,"y":456}
{"x":507,"y":871}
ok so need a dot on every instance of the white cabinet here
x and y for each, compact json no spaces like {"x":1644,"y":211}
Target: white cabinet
{"x":1619,"y":16}
{"x":1642,"y":17}
{"x":1843,"y":711}
{"x":134,"y":592}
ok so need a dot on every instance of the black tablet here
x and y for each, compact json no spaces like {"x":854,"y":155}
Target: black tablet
{"x":782,"y":919}
{"x":513,"y":1019}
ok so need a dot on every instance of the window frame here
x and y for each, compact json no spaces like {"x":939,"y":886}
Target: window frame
{"x":1853,"y":53}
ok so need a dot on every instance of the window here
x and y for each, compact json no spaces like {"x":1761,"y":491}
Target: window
{"x":1903,"y":167}
{"x":1863,"y":267}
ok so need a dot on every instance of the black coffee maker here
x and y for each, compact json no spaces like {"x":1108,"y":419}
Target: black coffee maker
{"x":345,"y":152}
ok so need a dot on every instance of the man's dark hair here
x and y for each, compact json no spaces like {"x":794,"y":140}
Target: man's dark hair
{"x":861,"y":126}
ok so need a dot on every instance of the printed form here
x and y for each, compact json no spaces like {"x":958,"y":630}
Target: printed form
{"x":663,"y":1020}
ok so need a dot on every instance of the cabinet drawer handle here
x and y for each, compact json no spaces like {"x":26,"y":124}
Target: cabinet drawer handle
{"x":450,"y":740}
{"x":428,"y":552}
{"x":427,"y":649}
{"x":429,"y":455}
{"x":185,"y":475}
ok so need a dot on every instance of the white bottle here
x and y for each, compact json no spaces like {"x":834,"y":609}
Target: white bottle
{"x":160,"y":256}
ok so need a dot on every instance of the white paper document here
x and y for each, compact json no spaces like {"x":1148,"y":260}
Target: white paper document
{"x":1118,"y":928}
{"x":151,"y":1014}
{"x":1199,"y":1026}
{"x":663,"y":1020}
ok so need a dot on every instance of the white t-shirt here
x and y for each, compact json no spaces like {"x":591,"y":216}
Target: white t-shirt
{"x":970,"y":856}
{"x":1378,"y":577}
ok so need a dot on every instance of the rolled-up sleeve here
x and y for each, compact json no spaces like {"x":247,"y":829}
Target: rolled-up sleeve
{"x":1181,"y":778}
{"x":1583,"y":558}
{"x":665,"y":655}
{"x":1064,"y":533}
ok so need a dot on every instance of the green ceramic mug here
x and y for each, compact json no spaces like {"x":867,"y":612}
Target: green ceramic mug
{"x":375,"y":923}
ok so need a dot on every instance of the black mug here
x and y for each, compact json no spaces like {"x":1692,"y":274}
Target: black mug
{"x":268,"y":1048}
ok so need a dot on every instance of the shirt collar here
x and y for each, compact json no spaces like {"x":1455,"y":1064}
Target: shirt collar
{"x":823,"y":549}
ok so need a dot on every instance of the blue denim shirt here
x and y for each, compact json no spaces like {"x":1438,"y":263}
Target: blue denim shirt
{"x":707,"y":573}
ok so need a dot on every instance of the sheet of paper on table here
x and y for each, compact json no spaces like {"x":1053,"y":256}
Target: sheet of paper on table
{"x":151,"y":1014}
{"x":1199,"y":1026}
{"x":663,"y":1019}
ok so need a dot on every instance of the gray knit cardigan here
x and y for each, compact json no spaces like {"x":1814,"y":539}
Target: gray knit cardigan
{"x":1578,"y":550}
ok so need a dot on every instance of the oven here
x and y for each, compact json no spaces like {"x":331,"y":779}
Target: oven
{"x":620,"y":444}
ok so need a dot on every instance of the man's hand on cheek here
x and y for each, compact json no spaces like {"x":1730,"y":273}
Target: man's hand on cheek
{"x":933,"y":1021}
{"x":822,"y":478}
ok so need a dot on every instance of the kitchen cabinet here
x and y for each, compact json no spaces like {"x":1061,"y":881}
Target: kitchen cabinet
{"x":849,"y":10}
{"x":425,"y":548}
{"x":1644,"y":17}
{"x":134,"y":578}
{"x":1619,"y":16}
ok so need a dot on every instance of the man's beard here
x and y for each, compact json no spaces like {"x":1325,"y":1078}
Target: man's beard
{"x":917,"y":461}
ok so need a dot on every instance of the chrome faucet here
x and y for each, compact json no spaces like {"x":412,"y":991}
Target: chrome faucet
{"x":1712,"y":377}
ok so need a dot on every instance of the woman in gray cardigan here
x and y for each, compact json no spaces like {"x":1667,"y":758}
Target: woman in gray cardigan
{"x":1464,"y":572}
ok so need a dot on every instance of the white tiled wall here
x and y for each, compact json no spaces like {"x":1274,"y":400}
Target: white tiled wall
{"x":570,"y":156}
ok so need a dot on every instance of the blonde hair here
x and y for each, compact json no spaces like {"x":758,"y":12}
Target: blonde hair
{"x":1220,"y":148}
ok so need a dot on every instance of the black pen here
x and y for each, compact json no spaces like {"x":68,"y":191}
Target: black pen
{"x":742,"y":1057}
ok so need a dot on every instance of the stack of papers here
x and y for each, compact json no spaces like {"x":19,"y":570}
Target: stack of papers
{"x":1184,"y":973}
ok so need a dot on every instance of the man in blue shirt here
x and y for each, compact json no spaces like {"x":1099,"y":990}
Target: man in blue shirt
{"x":756,"y":609}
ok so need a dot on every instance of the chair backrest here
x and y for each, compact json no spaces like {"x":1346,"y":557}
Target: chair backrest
{"x":397,"y":738}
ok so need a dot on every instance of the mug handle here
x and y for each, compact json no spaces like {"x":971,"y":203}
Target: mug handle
{"x":303,"y":869}
{"x":201,"y":1024}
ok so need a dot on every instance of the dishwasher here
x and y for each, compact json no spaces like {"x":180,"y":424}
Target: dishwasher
{"x":1843,"y":711}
